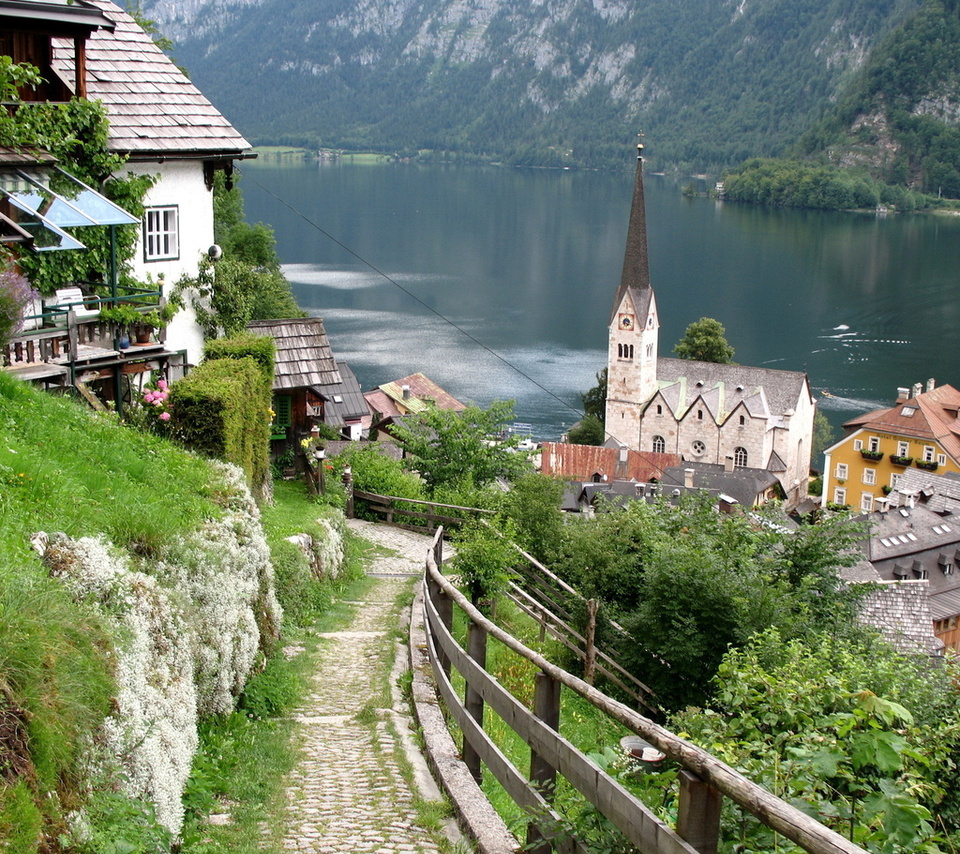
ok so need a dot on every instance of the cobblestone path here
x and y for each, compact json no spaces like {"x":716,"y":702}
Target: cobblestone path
{"x":349,"y":793}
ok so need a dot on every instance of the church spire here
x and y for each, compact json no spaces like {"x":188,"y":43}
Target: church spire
{"x":636,"y":267}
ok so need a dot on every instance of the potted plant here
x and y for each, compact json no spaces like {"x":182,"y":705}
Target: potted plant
{"x":927,"y":465}
{"x":876,"y":456}
{"x":900,"y":461}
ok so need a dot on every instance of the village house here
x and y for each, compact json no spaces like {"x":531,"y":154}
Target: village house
{"x":309,"y":386}
{"x":167,"y":129}
{"x":756,"y":418}
{"x":413,"y":394}
{"x":920,"y":431}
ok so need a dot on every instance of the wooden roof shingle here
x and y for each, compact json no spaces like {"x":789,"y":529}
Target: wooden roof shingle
{"x":303,"y":355}
{"x":152,"y":107}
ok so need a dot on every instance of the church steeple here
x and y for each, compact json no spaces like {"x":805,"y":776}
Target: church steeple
{"x":633,"y":332}
{"x":636,"y":265}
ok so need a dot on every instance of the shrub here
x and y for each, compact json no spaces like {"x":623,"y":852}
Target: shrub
{"x":15,"y":295}
{"x":223,"y":409}
{"x":260,"y":348}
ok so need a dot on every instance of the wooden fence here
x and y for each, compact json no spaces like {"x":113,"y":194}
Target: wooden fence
{"x":422,"y":516}
{"x":704,"y":780}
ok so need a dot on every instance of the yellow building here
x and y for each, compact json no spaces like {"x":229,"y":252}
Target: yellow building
{"x":922,"y":429}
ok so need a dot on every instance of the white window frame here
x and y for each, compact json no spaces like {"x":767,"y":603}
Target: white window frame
{"x":870,"y":476}
{"x":941,"y":459}
{"x":840,"y":495}
{"x":842,"y":471}
{"x":659,"y":445}
{"x":858,"y":444}
{"x":903,"y":449}
{"x":161,"y":233}
{"x":866,"y":502}
{"x":874,"y":444}
{"x":929,"y":453}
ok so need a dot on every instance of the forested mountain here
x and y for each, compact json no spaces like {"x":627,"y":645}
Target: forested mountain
{"x":900,"y":117}
{"x":531,"y":81}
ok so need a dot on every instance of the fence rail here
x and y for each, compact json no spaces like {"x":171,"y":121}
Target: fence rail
{"x":702,"y":782}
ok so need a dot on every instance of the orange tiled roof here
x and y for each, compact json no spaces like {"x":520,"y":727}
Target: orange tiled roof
{"x":582,"y":462}
{"x":934,"y":417}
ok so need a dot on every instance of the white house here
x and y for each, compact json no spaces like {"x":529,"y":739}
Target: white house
{"x":167,"y":128}
{"x":707,"y":413}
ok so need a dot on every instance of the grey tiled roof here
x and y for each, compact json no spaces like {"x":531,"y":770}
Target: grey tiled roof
{"x":780,"y":389}
{"x":152,"y":107}
{"x":344,"y":400}
{"x":743,"y":484}
{"x":901,"y":611}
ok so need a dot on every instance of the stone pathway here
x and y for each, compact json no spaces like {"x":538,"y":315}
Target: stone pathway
{"x":349,"y":793}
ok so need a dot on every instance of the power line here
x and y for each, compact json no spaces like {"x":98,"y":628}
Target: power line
{"x":413,"y":296}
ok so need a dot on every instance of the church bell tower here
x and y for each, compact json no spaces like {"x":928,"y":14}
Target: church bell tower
{"x":634,"y":330}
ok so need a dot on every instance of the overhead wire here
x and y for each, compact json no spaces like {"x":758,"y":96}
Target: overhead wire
{"x":410,"y":294}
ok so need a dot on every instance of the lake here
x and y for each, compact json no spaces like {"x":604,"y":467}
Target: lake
{"x":498,"y":283}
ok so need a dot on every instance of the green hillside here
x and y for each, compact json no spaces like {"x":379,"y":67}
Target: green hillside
{"x":568,"y":83}
{"x":900,"y":116}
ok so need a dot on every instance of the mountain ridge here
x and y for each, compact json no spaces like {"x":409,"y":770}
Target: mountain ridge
{"x":539,"y":82}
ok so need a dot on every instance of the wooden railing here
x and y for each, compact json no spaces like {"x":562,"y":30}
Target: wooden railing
{"x":423,"y":516}
{"x":703,"y":779}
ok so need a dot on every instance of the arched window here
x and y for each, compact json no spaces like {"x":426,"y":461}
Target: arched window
{"x":659,"y":409}
{"x":630,"y":353}
{"x":740,"y":457}
{"x":659,"y":445}
{"x":700,"y":415}
{"x":743,"y":420}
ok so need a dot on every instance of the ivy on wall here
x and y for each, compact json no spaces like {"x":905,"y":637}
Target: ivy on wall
{"x":76,"y":133}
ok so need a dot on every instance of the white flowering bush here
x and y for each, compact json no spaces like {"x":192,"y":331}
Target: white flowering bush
{"x":190,"y":629}
{"x":153,"y":732}
{"x":328,"y":549}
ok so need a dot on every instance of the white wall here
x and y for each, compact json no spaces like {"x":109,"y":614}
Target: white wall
{"x":181,"y":184}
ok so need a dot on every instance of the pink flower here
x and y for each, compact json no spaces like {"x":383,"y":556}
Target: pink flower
{"x":164,"y":416}
{"x":162,"y":385}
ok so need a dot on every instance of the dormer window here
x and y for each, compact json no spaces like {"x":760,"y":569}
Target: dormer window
{"x":908,"y":411}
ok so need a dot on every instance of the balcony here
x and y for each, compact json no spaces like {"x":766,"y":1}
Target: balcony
{"x":66,"y":342}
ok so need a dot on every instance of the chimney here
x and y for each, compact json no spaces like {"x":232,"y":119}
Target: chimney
{"x":406,"y":392}
{"x":688,"y":478}
{"x":917,"y":389}
{"x":931,"y":384}
{"x":903,"y":394}
{"x":728,"y":464}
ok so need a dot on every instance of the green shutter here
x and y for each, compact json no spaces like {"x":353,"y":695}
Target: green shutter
{"x":281,"y":418}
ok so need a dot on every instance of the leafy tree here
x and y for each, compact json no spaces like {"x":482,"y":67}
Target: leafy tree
{"x":865,"y":738}
{"x":589,"y":430}
{"x":595,"y":400}
{"x":690,"y":583}
{"x":705,"y":341}
{"x":822,"y":434}
{"x":485,"y":560}
{"x":452,"y":448}
{"x":533,"y":506}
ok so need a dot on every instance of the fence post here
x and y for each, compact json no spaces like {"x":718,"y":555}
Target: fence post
{"x":590,"y":635}
{"x":477,"y":650}
{"x":546,"y":707}
{"x":348,"y":486}
{"x":443,"y":603}
{"x":698,"y":814}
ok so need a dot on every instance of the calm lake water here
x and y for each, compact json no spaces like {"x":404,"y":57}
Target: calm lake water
{"x":498,"y":283}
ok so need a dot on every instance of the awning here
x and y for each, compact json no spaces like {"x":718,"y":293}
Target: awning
{"x":48,"y":201}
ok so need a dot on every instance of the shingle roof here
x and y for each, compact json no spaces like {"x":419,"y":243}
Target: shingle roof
{"x":934,"y":416}
{"x":303,"y":357}
{"x":581,"y":462}
{"x":344,"y":400}
{"x":152,"y":107}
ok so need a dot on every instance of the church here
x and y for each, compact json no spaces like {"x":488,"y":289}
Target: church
{"x":729,"y":415}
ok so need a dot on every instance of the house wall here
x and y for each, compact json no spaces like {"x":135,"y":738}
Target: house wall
{"x":845,"y":452}
{"x":181,"y":184}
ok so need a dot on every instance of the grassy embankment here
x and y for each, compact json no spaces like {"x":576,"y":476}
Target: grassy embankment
{"x":64,"y":469}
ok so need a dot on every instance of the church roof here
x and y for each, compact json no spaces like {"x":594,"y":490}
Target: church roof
{"x":635,"y":277}
{"x":764,"y":391}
